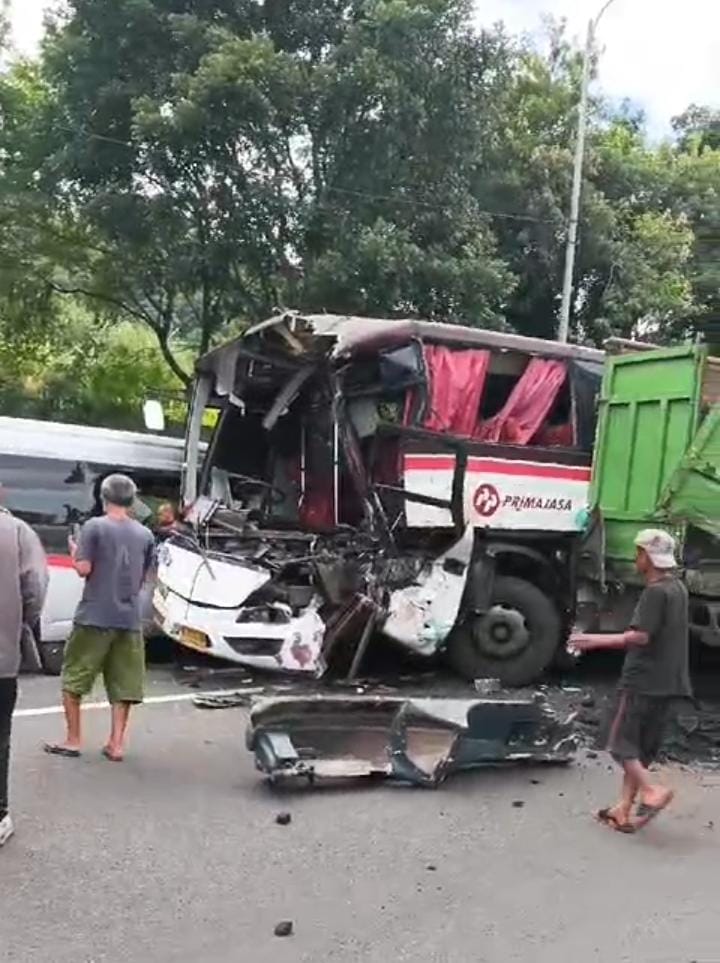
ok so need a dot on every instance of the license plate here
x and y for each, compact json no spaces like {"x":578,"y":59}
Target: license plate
{"x":194,"y":639}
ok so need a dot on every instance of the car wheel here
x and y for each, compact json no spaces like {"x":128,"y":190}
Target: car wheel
{"x":51,"y":656}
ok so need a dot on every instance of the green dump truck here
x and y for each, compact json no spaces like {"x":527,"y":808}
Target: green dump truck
{"x":656,"y":464}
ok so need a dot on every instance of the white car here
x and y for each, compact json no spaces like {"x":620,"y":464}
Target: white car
{"x":50,"y":476}
{"x":65,"y":588}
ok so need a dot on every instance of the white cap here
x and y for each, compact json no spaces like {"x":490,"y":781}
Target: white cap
{"x":659,"y":545}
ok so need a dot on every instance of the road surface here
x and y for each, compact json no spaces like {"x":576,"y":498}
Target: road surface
{"x":174,"y":856}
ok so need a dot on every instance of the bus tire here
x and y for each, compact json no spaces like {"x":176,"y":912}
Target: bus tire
{"x":514,"y":641}
{"x":51,"y":656}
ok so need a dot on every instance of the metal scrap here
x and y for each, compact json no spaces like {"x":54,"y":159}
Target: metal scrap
{"x":419,"y":741}
{"x":229,"y":700}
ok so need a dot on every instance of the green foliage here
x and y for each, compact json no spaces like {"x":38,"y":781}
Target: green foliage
{"x":698,"y":128}
{"x":189,"y":167}
{"x":87,"y":373}
{"x":4,"y":25}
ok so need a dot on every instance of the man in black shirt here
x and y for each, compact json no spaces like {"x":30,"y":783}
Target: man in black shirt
{"x":655,"y":673}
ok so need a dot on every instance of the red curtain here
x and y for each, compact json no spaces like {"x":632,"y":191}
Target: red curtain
{"x":528,"y":405}
{"x":456,"y":382}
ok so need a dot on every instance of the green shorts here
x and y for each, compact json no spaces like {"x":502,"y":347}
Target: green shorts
{"x":118,"y":653}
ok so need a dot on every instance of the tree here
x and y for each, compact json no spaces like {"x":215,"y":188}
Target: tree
{"x":31,"y":242}
{"x":696,"y":194}
{"x":86,"y":372}
{"x":632,"y":260}
{"x":215,"y":164}
{"x":193,"y":166}
{"x":4,"y":26}
{"x":698,"y":128}
{"x":390,"y":222}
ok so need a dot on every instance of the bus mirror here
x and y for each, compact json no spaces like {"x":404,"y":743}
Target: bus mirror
{"x":154,"y":416}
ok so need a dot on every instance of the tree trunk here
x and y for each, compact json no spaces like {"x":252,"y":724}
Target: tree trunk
{"x":171,"y":360}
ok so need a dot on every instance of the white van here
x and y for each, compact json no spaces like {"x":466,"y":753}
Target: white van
{"x":50,"y":476}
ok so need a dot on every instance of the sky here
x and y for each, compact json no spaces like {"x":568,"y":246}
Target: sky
{"x":661,"y":54}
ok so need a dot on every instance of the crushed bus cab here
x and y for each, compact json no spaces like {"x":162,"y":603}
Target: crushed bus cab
{"x":425,"y":481}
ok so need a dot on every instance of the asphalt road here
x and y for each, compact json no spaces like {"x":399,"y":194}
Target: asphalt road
{"x":174,"y":856}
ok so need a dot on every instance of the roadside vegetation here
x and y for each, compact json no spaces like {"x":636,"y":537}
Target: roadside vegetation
{"x":171,"y":170}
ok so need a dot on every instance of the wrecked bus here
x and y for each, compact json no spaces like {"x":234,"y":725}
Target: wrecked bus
{"x":425,"y":481}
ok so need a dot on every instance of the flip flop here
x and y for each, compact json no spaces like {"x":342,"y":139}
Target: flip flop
{"x":110,"y":756}
{"x":54,"y":749}
{"x":646,"y":813}
{"x":605,"y":817}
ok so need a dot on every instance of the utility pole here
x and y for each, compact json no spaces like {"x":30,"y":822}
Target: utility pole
{"x":567,"y":291}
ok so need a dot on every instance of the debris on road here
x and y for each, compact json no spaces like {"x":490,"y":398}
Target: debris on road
{"x":413,"y":740}
{"x":283,"y":819}
{"x":284,"y":928}
{"x":518,"y":803}
{"x":230,"y":700}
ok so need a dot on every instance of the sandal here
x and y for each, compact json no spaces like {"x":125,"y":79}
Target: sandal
{"x":606,"y":817}
{"x":646,"y":813}
{"x":110,"y":756}
{"x":56,"y":749}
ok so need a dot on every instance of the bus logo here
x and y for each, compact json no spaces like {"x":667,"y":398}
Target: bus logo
{"x":486,"y":500}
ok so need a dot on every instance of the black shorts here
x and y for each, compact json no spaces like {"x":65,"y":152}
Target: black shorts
{"x":636,"y":725}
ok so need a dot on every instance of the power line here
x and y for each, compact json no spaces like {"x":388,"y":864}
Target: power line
{"x":439,"y":207}
{"x":394,"y":199}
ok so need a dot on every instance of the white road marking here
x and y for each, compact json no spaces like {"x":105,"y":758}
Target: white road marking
{"x":149,"y":701}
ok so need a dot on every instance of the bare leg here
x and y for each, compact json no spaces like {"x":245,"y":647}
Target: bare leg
{"x":71,"y":705}
{"x":629,"y":792}
{"x":120,"y":715}
{"x":621,"y":810}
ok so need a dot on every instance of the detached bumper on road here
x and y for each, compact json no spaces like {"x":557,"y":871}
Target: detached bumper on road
{"x":415,"y":740}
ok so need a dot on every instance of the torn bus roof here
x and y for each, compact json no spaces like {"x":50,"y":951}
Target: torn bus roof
{"x":340,"y":336}
{"x":351,"y":332}
{"x":414,"y":740}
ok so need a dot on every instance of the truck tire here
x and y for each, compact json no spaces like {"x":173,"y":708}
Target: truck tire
{"x":514,"y":641}
{"x":51,"y":656}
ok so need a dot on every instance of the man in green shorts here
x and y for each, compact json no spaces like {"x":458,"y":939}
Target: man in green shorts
{"x":114,"y":555}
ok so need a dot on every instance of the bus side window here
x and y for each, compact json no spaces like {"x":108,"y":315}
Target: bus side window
{"x":47,"y":493}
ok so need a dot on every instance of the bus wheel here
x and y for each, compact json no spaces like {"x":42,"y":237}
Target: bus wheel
{"x":514,"y":641}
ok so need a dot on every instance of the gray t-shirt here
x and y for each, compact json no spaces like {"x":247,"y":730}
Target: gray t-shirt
{"x":660,"y":668}
{"x":121,"y":552}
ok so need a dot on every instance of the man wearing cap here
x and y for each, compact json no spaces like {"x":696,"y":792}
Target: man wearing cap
{"x":114,"y":554}
{"x":654,"y":675}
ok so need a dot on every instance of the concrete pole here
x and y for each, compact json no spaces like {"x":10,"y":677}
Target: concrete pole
{"x":567,"y":291}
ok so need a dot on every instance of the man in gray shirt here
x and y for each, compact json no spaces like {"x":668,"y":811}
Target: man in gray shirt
{"x":655,"y":674}
{"x":23,"y":584}
{"x":114,"y":555}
